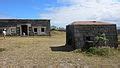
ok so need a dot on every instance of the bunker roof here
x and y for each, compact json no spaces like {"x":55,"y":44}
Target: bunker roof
{"x":90,"y":23}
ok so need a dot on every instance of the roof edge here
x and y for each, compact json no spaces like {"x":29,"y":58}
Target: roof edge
{"x":91,"y":23}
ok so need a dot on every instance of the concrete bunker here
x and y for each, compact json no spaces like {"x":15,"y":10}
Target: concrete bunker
{"x":82,"y":34}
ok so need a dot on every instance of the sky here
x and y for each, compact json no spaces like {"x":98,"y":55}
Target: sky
{"x":62,"y":12}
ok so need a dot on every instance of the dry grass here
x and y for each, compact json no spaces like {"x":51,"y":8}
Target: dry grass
{"x":36,"y":52}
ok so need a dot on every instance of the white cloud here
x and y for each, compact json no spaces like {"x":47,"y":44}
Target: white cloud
{"x":101,"y":10}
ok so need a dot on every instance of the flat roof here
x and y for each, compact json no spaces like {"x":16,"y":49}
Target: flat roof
{"x":90,"y":23}
{"x":23,"y":19}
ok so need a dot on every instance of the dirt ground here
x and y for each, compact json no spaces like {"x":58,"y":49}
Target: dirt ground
{"x":48,"y":52}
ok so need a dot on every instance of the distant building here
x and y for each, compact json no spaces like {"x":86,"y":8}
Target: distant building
{"x":81,"y":34}
{"x":25,"y":26}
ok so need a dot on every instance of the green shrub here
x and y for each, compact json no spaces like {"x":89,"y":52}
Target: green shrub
{"x":92,"y":50}
{"x":2,"y":49}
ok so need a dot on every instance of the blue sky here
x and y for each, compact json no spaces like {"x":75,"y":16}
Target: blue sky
{"x":25,"y":8}
{"x":62,"y":12}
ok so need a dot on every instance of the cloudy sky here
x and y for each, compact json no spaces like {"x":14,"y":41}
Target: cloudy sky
{"x":62,"y":12}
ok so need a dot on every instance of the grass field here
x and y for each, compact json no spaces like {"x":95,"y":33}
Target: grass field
{"x":46,"y":52}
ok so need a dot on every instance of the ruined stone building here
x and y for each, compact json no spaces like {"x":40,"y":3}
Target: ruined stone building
{"x":25,"y":26}
{"x":80,"y":34}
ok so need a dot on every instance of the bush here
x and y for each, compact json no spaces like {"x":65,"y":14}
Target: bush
{"x":2,"y":49}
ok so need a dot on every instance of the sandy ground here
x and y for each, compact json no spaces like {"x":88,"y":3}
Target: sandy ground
{"x":48,"y":52}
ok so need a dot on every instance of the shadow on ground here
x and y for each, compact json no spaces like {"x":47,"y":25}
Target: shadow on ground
{"x":63,"y":48}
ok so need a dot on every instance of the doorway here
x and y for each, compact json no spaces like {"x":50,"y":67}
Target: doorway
{"x":24,"y":29}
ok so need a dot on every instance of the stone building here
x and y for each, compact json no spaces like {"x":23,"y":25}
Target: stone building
{"x":81,"y":34}
{"x":25,"y":26}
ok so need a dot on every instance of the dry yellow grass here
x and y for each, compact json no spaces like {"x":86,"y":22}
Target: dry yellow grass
{"x":35,"y":52}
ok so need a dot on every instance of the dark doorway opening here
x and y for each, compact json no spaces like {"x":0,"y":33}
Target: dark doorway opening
{"x":88,"y":38}
{"x":24,"y":29}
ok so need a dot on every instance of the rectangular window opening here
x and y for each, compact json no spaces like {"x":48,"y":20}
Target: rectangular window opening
{"x":42,"y":29}
{"x":35,"y":29}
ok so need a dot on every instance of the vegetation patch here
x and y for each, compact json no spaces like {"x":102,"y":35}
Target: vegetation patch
{"x":2,"y":49}
{"x":103,"y":51}
{"x":96,"y":49}
{"x":100,"y":51}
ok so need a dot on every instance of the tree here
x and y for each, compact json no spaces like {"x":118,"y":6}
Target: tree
{"x":54,"y":27}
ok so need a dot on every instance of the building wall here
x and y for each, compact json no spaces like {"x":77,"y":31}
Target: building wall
{"x":11,"y":30}
{"x":13,"y":26}
{"x":81,"y":32}
{"x":39,"y":30}
{"x":70,"y":36}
